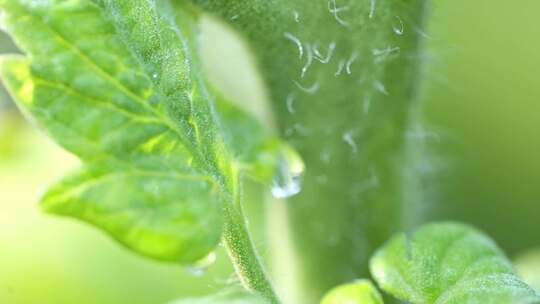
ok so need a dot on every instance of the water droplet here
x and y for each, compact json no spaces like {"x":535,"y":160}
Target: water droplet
{"x":289,"y":172}
{"x":398,"y":26}
{"x":154,"y":76}
{"x":198,"y":268}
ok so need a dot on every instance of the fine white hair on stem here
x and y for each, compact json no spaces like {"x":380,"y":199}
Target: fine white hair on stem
{"x":399,"y":28}
{"x":296,"y":16}
{"x":372,"y":7}
{"x":349,"y":63}
{"x":290,"y":103}
{"x":386,"y":51}
{"x":379,"y":87}
{"x":348,"y":138}
{"x":420,"y":133}
{"x":366,"y":104}
{"x":329,"y":54}
{"x":421,"y":32}
{"x":296,"y":41}
{"x":334,"y":10}
{"x":382,"y":54}
{"x":341,"y":66}
{"x":310,"y":90}
{"x":371,"y":182}
{"x":309,"y":59}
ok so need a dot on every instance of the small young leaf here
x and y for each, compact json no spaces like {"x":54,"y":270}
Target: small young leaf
{"x":118,"y":83}
{"x":359,"y":292}
{"x":254,"y":147}
{"x":448,"y":263}
{"x":232,"y":296}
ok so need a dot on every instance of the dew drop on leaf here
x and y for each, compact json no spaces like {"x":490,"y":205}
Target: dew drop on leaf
{"x":289,"y":172}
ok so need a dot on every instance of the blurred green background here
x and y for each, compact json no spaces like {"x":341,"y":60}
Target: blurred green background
{"x":482,"y":107}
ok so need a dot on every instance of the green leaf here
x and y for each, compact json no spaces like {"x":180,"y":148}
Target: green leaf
{"x":118,"y":83}
{"x":256,"y":149}
{"x":448,"y":263}
{"x":231,"y":296}
{"x":112,"y":82}
{"x":359,"y":292}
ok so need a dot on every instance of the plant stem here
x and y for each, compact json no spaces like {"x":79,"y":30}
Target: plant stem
{"x":351,"y":125}
{"x":242,"y":252}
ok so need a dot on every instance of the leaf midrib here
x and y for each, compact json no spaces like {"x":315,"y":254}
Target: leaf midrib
{"x":197,"y":154}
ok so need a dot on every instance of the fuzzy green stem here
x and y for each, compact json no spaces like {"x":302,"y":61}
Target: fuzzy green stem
{"x":243,"y":254}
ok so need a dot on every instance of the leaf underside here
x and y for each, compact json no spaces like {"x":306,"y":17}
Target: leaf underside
{"x":118,"y":84}
{"x":448,"y":263}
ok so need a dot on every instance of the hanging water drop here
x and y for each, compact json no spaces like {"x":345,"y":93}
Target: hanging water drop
{"x":198,"y":268}
{"x":289,"y":172}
